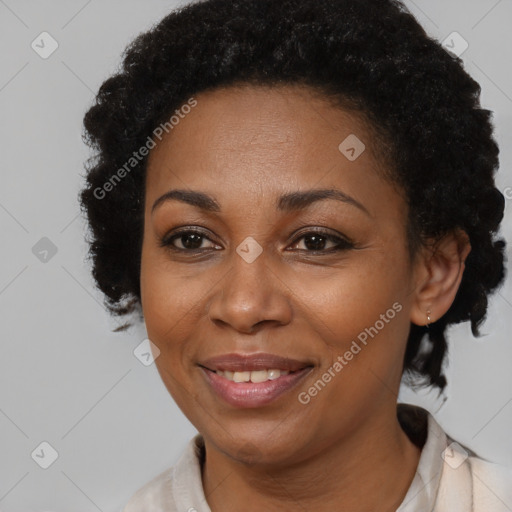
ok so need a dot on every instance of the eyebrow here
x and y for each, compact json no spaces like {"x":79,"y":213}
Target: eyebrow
{"x":292,"y":201}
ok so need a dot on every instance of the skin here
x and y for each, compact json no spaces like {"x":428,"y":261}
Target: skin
{"x":245,"y":147}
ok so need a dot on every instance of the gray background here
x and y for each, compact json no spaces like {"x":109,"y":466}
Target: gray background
{"x":65,"y":378}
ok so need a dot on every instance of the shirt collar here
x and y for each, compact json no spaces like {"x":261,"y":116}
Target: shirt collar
{"x":422,"y":492}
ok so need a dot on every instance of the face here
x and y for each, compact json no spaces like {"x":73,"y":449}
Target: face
{"x":259,"y":275}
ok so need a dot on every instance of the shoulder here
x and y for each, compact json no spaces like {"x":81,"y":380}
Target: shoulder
{"x":154,"y":495}
{"x":492,"y":485}
{"x":453,"y":477}
{"x":482,"y":485}
{"x":175,"y":489}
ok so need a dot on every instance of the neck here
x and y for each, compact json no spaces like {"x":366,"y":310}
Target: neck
{"x":377,"y":456}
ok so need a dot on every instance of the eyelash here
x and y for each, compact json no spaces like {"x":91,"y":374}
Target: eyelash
{"x":343,"y":244}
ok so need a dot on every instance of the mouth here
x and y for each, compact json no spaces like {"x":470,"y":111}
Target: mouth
{"x":253,"y":380}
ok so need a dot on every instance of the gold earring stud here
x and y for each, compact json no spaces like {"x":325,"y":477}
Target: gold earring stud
{"x":428,"y":317}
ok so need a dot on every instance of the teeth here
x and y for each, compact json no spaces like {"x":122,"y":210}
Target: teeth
{"x":274,"y":374}
{"x":254,"y":376}
{"x":259,"y":376}
{"x":242,"y":376}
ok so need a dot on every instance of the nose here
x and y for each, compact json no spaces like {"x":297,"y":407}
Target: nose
{"x":250,"y":296}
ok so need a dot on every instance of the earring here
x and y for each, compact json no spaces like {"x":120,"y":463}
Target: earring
{"x":428,"y":318}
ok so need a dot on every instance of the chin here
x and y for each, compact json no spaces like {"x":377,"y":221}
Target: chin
{"x":261,"y":448}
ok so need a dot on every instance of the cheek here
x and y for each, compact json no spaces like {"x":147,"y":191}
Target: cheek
{"x":170,"y":300}
{"x":164,"y":315}
{"x":170,"y":306}
{"x":341,"y":304}
{"x":361,"y":316}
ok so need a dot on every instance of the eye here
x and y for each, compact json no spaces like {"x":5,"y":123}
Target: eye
{"x":190,"y":241}
{"x":316,"y":242}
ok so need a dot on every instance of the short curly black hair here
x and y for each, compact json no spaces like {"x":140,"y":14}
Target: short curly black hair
{"x":371,"y":56}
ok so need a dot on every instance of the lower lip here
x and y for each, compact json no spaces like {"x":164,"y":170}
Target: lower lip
{"x":253,"y":394}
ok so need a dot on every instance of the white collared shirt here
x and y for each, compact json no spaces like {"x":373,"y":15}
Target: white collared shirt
{"x":449,"y":478}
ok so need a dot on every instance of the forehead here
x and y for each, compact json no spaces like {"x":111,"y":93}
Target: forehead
{"x":264,"y":140}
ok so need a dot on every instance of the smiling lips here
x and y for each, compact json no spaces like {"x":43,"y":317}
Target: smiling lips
{"x":253,"y":380}
{"x":252,"y":362}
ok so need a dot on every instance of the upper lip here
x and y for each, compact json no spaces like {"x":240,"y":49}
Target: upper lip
{"x":250,"y":362}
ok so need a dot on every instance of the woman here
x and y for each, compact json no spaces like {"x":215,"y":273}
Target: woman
{"x":296,"y":196}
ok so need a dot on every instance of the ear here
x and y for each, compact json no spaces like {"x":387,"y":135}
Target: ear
{"x":439,"y":270}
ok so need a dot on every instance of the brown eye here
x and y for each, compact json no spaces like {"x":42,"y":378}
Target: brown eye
{"x":317,"y":241}
{"x":190,"y":240}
